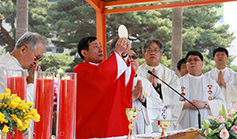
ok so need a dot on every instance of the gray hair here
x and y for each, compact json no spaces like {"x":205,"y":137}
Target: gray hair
{"x":30,"y":40}
{"x":149,"y":42}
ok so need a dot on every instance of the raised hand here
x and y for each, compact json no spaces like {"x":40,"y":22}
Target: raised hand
{"x":122,"y":46}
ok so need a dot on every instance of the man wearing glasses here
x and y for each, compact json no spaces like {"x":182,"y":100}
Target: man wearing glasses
{"x":152,"y":52}
{"x":201,"y":90}
{"x":145,"y":99}
{"x":27,"y":53}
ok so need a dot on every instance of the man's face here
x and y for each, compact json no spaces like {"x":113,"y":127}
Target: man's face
{"x":152,"y":55}
{"x":220,"y":58}
{"x":183,"y":69}
{"x":194,"y":65}
{"x":95,"y":53}
{"x":134,"y":59}
{"x":32,"y":57}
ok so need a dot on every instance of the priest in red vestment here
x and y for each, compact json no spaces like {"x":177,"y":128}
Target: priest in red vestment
{"x":104,"y":90}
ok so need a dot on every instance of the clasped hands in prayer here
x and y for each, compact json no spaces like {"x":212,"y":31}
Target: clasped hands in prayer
{"x":137,"y":92}
{"x":153,"y":80}
{"x":220,"y":80}
{"x":30,"y":78}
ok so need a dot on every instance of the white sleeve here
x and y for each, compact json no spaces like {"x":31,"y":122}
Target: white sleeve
{"x":30,"y":89}
{"x":231,"y":91}
{"x":178,"y":114}
{"x":217,"y":102}
{"x":122,"y":66}
{"x":2,"y":79}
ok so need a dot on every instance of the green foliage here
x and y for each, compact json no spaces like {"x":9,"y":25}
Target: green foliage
{"x":75,"y":19}
{"x":54,"y":62}
{"x":72,"y":20}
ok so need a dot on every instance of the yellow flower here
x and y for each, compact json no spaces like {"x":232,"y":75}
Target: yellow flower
{"x":2,"y":118}
{"x":25,"y":125}
{"x":15,"y":102}
{"x":1,"y":96}
{"x":7,"y":94}
{"x":5,"y":129}
{"x":33,"y":115}
{"x":17,"y":120}
{"x":8,"y":90}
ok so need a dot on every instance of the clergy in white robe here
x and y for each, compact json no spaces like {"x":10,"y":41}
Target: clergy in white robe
{"x":152,"y":53}
{"x":147,"y":101}
{"x":224,"y":76}
{"x":201,"y":90}
{"x":28,"y":51}
{"x":146,"y":115}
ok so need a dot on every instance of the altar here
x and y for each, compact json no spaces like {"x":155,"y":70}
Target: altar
{"x":177,"y":134}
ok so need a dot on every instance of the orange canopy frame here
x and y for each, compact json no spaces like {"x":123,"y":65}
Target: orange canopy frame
{"x":101,"y":11}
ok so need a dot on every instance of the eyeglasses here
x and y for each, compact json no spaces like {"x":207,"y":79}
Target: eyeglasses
{"x":156,"y":50}
{"x":133,"y":56}
{"x":35,"y":57}
{"x":195,"y":59}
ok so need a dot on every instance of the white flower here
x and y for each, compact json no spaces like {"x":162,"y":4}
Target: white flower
{"x":224,"y":134}
{"x":231,"y":110}
{"x":235,"y":106}
{"x":221,"y":126}
{"x":220,"y":119}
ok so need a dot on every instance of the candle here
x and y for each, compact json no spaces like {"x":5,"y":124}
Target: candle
{"x":44,"y":106}
{"x":17,"y":86}
{"x":66,"y":109}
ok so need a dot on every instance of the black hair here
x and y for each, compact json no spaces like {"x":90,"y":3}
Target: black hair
{"x":195,"y":53}
{"x":149,"y":42}
{"x":84,"y":44}
{"x":220,"y":49}
{"x":181,"y":61}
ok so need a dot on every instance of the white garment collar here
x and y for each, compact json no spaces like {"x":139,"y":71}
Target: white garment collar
{"x":222,"y":70}
{"x":195,"y":77}
{"x":151,"y":67}
{"x":96,"y":64}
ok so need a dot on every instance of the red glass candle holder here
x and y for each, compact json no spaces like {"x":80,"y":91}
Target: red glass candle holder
{"x":66,"y":106}
{"x":16,"y":81}
{"x":43,"y":95}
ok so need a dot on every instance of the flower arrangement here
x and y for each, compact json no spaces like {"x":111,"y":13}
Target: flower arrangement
{"x":16,"y":113}
{"x":223,"y":126}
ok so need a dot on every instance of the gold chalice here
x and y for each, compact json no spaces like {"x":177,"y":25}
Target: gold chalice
{"x":132,"y":116}
{"x":164,"y":125}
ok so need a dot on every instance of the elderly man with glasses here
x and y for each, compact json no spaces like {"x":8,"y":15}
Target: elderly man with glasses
{"x":27,"y":53}
{"x":152,"y":52}
{"x":201,"y":90}
{"x":145,"y":99}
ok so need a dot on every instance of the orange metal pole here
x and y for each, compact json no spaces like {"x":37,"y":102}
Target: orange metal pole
{"x":165,"y":6}
{"x":101,"y":29}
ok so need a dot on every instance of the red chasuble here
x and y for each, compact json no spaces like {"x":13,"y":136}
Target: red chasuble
{"x":102,"y":99}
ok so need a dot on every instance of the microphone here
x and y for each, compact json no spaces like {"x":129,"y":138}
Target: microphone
{"x":199,"y":115}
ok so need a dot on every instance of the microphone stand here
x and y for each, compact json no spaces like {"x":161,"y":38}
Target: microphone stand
{"x":199,"y":115}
